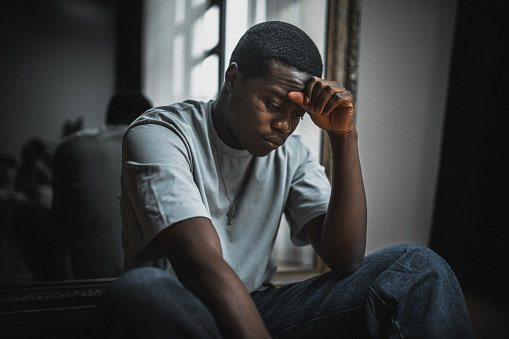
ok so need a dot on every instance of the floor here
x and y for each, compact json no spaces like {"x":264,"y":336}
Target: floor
{"x":488,"y":321}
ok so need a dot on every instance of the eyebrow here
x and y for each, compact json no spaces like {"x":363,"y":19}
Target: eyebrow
{"x":278,"y":93}
{"x":281,"y":95}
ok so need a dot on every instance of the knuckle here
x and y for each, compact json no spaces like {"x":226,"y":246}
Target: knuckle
{"x":337,"y":97}
{"x":329,"y":88}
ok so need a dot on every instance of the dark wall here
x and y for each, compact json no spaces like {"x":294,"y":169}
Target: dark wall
{"x":128,"y":44}
{"x":62,"y":60}
{"x":471,"y":219}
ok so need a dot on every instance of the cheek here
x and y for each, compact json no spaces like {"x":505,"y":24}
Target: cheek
{"x":254,"y":118}
{"x":264,"y":121}
{"x":259,"y":119}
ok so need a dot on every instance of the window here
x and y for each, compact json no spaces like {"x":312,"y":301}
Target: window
{"x":187,"y":46}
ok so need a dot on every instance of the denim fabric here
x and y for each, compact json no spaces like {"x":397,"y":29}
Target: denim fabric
{"x":403,"y":291}
{"x":151,"y":303}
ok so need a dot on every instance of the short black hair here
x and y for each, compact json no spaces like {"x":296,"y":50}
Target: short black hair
{"x":276,"y":41}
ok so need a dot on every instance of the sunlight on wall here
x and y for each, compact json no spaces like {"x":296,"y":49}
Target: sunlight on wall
{"x":173,"y":60}
{"x":175,"y":67}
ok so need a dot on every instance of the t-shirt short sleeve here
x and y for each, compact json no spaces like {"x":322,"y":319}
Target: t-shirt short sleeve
{"x":160,"y":186}
{"x":309,"y":194}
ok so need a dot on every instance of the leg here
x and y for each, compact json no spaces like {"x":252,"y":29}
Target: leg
{"x":151,"y":303}
{"x":401,"y":291}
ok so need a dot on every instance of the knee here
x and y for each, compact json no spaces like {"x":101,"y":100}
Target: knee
{"x":426,"y":254}
{"x":414,"y":270}
{"x":145,"y":275}
{"x":143,"y":282}
{"x":422,"y":259}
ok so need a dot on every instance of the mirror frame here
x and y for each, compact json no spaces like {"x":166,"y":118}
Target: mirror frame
{"x":341,"y":64}
{"x":342,"y":53}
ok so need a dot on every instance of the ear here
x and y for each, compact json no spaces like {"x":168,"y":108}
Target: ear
{"x":231,"y":76}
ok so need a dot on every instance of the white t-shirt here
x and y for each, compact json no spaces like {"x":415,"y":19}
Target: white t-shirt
{"x":171,"y":172}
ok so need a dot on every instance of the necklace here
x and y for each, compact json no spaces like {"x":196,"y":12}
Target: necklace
{"x":232,"y":212}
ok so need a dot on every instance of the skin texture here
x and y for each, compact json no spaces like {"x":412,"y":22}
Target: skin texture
{"x":259,"y":114}
{"x":267,"y":112}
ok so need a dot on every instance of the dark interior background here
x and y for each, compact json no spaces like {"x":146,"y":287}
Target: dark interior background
{"x":471,"y":219}
{"x":62,"y":60}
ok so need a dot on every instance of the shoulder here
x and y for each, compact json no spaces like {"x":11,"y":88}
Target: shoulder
{"x":179,"y":123}
{"x":168,"y":132}
{"x":181,"y":114}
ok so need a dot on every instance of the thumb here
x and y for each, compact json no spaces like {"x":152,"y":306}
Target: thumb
{"x":297,"y":97}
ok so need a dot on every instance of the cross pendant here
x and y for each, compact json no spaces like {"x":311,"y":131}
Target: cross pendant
{"x":231,"y":214}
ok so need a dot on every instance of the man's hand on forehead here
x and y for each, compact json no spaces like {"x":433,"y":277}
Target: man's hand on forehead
{"x":328,"y":103}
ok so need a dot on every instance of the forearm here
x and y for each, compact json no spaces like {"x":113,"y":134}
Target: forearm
{"x":343,"y":239}
{"x":340,"y":237}
{"x":194,"y":250}
{"x":222,"y":291}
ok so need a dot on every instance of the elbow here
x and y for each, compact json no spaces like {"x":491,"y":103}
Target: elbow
{"x":345,"y":268}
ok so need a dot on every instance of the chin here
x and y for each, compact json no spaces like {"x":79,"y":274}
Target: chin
{"x":261,"y":153}
{"x":258,"y":149}
{"x":258,"y":152}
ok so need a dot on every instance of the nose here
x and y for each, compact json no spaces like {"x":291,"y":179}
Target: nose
{"x":283,"y":123}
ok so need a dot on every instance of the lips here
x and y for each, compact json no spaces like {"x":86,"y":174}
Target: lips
{"x":273,"y":142}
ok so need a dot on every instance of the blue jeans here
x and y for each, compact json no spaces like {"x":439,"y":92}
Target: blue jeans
{"x":403,"y":291}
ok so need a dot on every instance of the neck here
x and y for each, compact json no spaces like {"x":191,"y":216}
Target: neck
{"x":220,"y":119}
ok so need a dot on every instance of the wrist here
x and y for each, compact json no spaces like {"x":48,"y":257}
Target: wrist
{"x":343,"y":135}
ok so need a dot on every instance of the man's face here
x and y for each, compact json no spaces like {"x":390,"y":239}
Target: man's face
{"x":262,"y":117}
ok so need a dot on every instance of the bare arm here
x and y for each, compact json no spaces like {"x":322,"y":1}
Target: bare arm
{"x":339,"y":237}
{"x":194,"y":251}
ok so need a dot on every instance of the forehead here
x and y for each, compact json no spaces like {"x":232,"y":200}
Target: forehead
{"x":282,"y":79}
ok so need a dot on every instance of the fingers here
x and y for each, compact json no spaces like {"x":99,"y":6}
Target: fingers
{"x":307,"y":99}
{"x":343,"y":100}
{"x":321,"y":97}
{"x":324,"y":96}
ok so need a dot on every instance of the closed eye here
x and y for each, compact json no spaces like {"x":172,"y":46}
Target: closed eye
{"x":273,"y":106}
